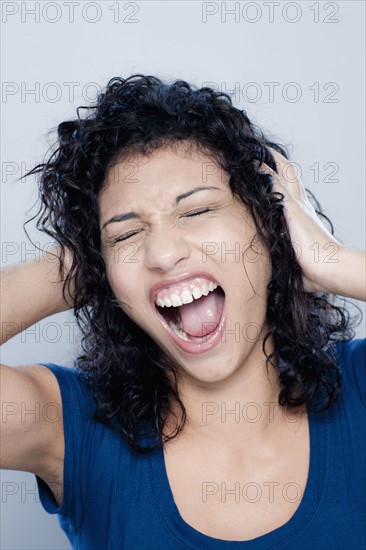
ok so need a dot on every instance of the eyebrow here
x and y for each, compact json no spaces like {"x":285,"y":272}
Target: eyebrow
{"x":134,"y":215}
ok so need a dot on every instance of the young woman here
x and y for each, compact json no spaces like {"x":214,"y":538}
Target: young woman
{"x":219,"y":400}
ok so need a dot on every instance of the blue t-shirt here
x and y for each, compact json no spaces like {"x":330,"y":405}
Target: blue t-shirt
{"x":116,"y":499}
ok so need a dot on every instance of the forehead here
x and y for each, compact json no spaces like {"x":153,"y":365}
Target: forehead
{"x":171,"y":170}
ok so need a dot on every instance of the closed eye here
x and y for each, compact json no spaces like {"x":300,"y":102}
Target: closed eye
{"x":188,"y":215}
{"x":124,"y":237}
{"x":197,"y":212}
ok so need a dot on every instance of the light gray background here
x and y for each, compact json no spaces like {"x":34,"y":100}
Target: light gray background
{"x":170,"y":40}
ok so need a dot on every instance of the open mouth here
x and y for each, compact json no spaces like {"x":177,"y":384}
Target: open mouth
{"x":195,"y":322}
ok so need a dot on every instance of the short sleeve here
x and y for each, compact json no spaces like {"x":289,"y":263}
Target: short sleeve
{"x":77,"y":411}
{"x":351,"y":356}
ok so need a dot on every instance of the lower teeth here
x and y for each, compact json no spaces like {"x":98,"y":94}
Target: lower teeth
{"x":178,"y":331}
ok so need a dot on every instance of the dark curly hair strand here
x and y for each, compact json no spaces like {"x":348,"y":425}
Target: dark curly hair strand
{"x":127,"y":372}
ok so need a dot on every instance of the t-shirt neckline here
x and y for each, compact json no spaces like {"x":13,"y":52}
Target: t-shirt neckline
{"x":191,"y":538}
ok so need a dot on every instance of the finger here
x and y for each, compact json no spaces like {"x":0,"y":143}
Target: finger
{"x":289,"y":174}
{"x":290,"y":191}
{"x":278,"y":183}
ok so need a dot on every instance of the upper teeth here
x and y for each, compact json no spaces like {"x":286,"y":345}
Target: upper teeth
{"x":186,"y":296}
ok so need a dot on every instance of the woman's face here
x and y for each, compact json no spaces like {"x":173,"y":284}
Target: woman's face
{"x":170,"y":256}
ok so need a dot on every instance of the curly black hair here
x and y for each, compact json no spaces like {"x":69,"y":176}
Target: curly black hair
{"x":128,"y":375}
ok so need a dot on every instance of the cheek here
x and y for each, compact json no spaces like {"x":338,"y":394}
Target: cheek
{"x":258,"y":270}
{"x":118,"y":279}
{"x":229,"y":243}
{"x":126,"y":283}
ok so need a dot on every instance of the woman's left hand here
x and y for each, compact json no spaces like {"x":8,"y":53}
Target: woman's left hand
{"x":327,"y":265}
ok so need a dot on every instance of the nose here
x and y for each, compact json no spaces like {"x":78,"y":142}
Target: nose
{"x":165,"y":249}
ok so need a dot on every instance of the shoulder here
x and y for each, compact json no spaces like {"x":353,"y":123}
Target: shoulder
{"x":59,"y":478}
{"x":350,"y":355}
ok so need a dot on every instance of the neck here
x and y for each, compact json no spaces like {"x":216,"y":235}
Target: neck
{"x":241,"y":410}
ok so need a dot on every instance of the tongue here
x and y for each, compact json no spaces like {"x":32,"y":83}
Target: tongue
{"x":202,"y":316}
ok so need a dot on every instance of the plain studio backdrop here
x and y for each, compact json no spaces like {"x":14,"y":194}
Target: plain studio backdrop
{"x":297,"y":68}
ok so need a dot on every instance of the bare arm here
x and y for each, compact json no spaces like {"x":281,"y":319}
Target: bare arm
{"x":346,"y":277}
{"x":30,"y":292}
